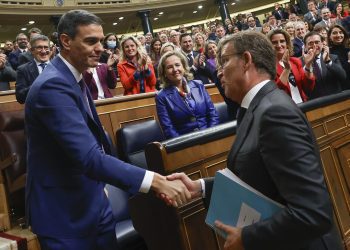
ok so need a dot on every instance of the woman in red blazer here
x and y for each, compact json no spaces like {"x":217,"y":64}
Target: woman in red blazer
{"x":291,"y":77}
{"x":135,"y":69}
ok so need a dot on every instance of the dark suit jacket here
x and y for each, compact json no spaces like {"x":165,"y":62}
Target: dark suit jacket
{"x":202,"y":74}
{"x":177,"y":119}
{"x":107,"y":78}
{"x":26,"y":74}
{"x":13,"y":58}
{"x":331,"y":80}
{"x":298,"y":47}
{"x":274,"y":152}
{"x":67,"y":166}
{"x":25,"y":57}
{"x":311,"y":19}
{"x":7,"y":74}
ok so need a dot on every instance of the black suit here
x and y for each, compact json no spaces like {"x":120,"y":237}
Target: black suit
{"x":26,"y":74}
{"x":332,"y":78}
{"x":25,"y":57}
{"x":274,"y":152}
{"x":201,"y":73}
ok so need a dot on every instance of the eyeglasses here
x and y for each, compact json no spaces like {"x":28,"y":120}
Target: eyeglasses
{"x":40,"y":48}
{"x":313,"y":42}
{"x":225,"y":58}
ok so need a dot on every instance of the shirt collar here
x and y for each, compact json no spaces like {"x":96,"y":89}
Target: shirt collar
{"x":78,"y":76}
{"x":252,"y":93}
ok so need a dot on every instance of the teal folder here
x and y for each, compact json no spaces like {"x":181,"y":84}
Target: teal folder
{"x":235,"y":203}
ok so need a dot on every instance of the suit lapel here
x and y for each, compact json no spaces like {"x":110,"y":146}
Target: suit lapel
{"x":177,"y":100}
{"x":246,"y":123}
{"x":33,"y":69}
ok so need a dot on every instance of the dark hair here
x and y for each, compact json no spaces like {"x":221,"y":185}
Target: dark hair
{"x":152,"y":53}
{"x":107,"y":36}
{"x":286,"y":37}
{"x":335,"y":9}
{"x":312,"y":33}
{"x":346,"y":36}
{"x":257,"y":44}
{"x":71,"y":20}
{"x":184,"y":35}
{"x":38,"y":37}
{"x":34,"y":30}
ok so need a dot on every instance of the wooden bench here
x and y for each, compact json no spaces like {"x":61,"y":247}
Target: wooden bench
{"x":202,"y":153}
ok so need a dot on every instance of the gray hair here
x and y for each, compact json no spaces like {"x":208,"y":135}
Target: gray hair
{"x":71,"y":20}
{"x":259,"y":47}
{"x":168,"y":44}
{"x":38,"y":37}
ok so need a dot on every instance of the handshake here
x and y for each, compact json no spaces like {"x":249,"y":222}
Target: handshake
{"x":176,"y":189}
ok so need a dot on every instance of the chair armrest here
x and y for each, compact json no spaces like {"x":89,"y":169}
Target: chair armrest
{"x":8,"y":161}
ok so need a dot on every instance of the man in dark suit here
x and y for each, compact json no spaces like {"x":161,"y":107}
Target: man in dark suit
{"x":313,"y":16}
{"x":298,"y":41}
{"x":274,"y":152}
{"x":327,"y":68}
{"x":27,"y":73}
{"x":68,"y":152}
{"x":22,"y":41}
{"x":198,"y":68}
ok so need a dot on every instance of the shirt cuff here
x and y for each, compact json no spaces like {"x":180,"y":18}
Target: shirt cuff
{"x":203,"y":187}
{"x":146,"y":182}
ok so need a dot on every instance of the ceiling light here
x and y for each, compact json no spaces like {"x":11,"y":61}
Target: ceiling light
{"x":195,"y":12}
{"x":200,"y":7}
{"x":121,"y":18}
{"x":161,"y":13}
{"x":155,"y":19}
{"x":31,"y":22}
{"x":115,"y":23}
{"x":233,"y":3}
{"x":24,"y":29}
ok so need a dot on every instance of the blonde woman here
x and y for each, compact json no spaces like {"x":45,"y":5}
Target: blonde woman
{"x":135,"y":69}
{"x":183,"y":105}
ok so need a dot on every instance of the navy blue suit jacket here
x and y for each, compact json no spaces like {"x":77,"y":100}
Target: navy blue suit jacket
{"x":26,"y":74}
{"x":177,"y":119}
{"x":67,"y":166}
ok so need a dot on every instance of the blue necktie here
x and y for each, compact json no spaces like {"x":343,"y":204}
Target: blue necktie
{"x":43,"y":65}
{"x":83,"y":87}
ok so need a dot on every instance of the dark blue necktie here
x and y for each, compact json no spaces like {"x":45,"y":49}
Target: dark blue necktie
{"x":43,"y":65}
{"x":317,"y":70}
{"x":240,"y":114}
{"x":83,"y":87}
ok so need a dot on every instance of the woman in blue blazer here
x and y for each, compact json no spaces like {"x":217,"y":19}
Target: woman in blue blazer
{"x":183,"y":104}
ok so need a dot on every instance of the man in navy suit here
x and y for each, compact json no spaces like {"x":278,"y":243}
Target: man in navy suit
{"x":328,"y":71}
{"x":200,"y":70}
{"x":27,"y":73}
{"x":289,"y":173}
{"x":22,"y":41}
{"x":68,"y":153}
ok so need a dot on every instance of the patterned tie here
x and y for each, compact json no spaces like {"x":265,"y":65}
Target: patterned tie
{"x":190,"y":59}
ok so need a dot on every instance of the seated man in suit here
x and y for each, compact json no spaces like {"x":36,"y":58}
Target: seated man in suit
{"x":326,"y":19}
{"x":27,"y":73}
{"x":28,"y":56}
{"x":69,"y":159}
{"x":252,"y":25}
{"x":290,"y":173}
{"x":327,"y":68}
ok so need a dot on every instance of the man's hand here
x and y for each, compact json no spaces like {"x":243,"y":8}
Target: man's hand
{"x":325,"y":55}
{"x":309,"y":57}
{"x":234,"y":236}
{"x":194,"y":187}
{"x":173,"y":192}
{"x":2,"y":61}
